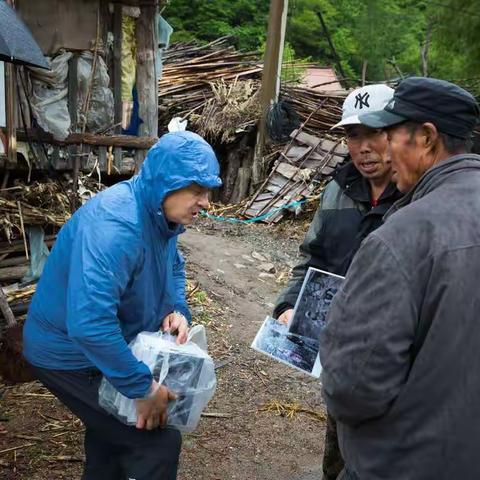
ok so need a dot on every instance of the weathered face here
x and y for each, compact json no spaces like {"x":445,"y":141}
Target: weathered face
{"x":182,"y":206}
{"x":368,"y":148}
{"x":410,"y":159}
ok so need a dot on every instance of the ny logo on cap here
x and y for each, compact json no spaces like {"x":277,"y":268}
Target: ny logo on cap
{"x":361,"y":100}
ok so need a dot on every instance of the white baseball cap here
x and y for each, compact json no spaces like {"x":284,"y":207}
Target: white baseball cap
{"x":364,"y":100}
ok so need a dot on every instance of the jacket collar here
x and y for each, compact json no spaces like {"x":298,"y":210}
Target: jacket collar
{"x":436,"y":176}
{"x":357,"y":187}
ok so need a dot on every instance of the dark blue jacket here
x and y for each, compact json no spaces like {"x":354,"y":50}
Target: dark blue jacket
{"x":115,"y":269}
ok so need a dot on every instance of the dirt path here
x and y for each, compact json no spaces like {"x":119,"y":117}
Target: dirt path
{"x":237,"y":441}
{"x":250,"y":444}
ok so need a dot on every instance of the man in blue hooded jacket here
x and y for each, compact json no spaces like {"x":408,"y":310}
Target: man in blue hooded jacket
{"x":115,"y":271}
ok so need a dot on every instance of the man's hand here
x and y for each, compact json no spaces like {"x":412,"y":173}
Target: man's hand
{"x":176,"y":323}
{"x":285,"y":316}
{"x":152,"y":411}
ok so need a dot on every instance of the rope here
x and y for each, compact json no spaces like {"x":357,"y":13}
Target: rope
{"x":254,"y":219}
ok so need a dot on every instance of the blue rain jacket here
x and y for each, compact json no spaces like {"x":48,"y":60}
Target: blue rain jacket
{"x":115,"y":269}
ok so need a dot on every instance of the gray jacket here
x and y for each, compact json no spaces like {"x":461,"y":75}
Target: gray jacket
{"x":401,"y":350}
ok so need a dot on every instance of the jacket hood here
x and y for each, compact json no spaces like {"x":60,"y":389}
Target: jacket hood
{"x":435,"y":176}
{"x":177,"y":160}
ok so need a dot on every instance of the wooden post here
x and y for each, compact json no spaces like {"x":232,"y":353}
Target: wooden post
{"x":73,"y":90}
{"x":73,"y":150}
{"x":147,"y":44}
{"x":272,"y":66}
{"x":11,"y":110}
{"x":364,"y":72}
{"x":117,"y":78}
{"x":102,"y":158}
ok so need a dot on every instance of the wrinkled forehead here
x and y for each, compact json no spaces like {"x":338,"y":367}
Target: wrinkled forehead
{"x":192,"y":188}
{"x":196,"y":188}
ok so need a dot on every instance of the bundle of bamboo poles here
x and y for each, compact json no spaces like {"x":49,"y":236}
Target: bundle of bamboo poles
{"x":190,"y":69}
{"x":322,"y":109}
{"x":194,"y":75}
{"x":46,"y":204}
{"x":43,"y":204}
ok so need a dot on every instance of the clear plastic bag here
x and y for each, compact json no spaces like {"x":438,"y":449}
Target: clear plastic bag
{"x":187,"y":370}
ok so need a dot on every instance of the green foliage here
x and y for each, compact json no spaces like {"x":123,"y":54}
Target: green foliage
{"x":388,"y":35}
{"x":455,"y":34}
{"x":244,"y":20}
{"x":293,"y":67}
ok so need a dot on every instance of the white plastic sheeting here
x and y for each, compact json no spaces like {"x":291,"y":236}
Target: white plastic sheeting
{"x":50,"y":97}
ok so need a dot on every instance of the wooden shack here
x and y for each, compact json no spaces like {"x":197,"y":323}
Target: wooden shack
{"x":79,"y":30}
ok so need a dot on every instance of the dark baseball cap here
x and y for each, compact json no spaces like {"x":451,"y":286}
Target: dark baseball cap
{"x":449,"y":107}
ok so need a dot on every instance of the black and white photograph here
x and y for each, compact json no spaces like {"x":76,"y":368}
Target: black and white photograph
{"x":313,"y":304}
{"x":274,"y":339}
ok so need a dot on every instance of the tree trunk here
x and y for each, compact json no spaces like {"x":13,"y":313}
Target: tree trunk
{"x":233,"y":163}
{"x":241,"y":185}
{"x":238,"y":172}
{"x":425,"y":49}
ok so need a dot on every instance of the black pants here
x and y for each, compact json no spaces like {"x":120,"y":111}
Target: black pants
{"x":333,"y":463}
{"x":113,"y":451}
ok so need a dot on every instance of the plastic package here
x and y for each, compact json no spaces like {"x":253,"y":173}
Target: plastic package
{"x":187,"y":370}
{"x":49,"y":97}
{"x":177,"y":124}
{"x":38,"y":254}
{"x":101,"y":111}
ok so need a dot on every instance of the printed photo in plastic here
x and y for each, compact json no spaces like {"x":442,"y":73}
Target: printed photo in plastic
{"x":274,"y":340}
{"x":313,"y":303}
{"x":182,"y":379}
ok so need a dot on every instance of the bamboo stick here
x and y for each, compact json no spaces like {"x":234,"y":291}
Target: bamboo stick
{"x":23,"y":229}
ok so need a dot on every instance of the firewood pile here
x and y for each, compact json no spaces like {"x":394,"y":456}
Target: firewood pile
{"x":45,"y":206}
{"x":319,"y":111}
{"x":37,"y":204}
{"x":47,"y":203}
{"x":194,"y":75}
{"x":216,"y":88}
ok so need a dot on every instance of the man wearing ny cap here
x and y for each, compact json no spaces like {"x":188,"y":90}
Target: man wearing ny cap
{"x":352,"y":206}
{"x":401,"y":348}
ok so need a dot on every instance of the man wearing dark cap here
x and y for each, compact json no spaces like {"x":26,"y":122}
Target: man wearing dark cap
{"x":401,"y":348}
